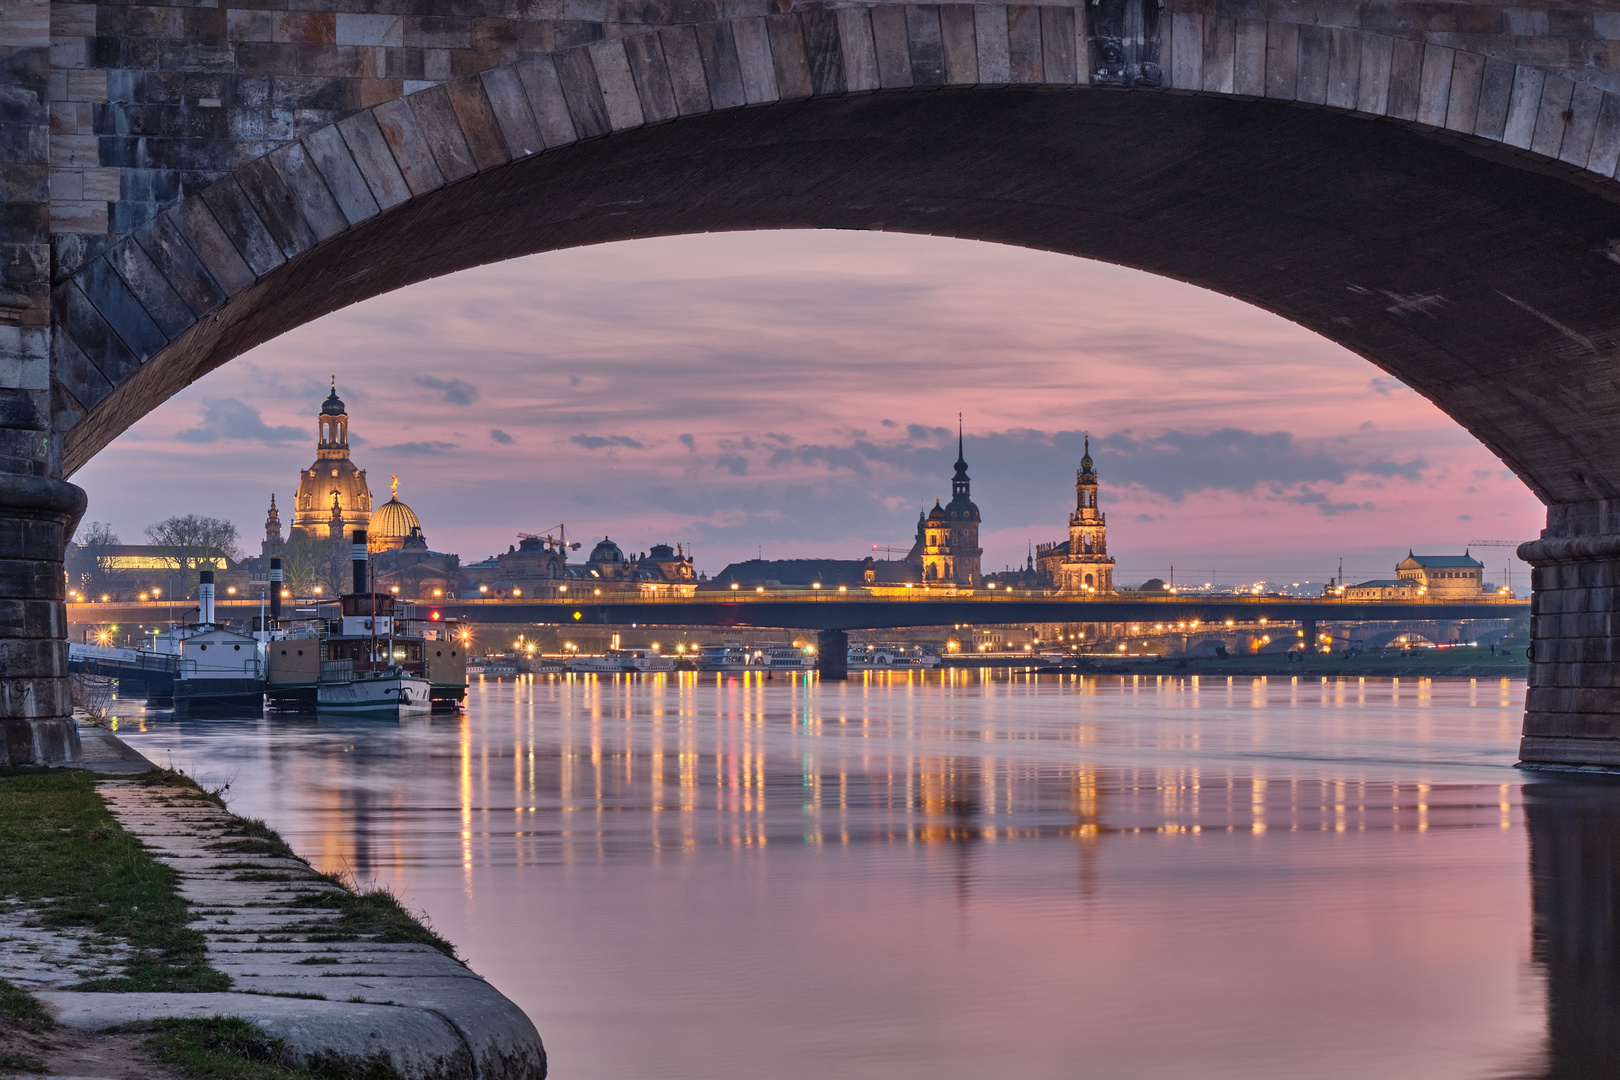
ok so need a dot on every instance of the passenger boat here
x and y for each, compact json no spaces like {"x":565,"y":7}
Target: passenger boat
{"x":724,"y":656}
{"x":622,"y":661}
{"x":386,"y":692}
{"x":373,"y":632}
{"x":767,"y":657}
{"x":219,"y":672}
{"x":884,"y":657}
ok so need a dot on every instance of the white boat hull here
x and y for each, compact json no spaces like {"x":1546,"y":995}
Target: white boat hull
{"x":389,"y":697}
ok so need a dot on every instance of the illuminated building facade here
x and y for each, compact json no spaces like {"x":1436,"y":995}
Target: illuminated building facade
{"x":333,"y":496}
{"x":1080,"y":565}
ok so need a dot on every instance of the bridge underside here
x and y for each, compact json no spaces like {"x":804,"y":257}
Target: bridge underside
{"x":1483,"y":279}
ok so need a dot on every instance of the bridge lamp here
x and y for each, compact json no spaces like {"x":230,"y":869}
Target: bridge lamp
{"x":483,"y":588}
{"x":394,"y":588}
{"x":157,"y":592}
{"x":843,"y":588}
{"x":1262,"y":620}
{"x":515,"y":592}
{"x":1231,"y":622}
{"x":105,"y":598}
{"x":143,"y":596}
{"x":598,"y":592}
{"x":655,"y":646}
{"x":562,"y":588}
{"x":759,"y":588}
{"x":734,"y":585}
{"x":231,"y":590}
{"x":286,"y":593}
{"x":317,"y":590}
{"x":815,"y":584}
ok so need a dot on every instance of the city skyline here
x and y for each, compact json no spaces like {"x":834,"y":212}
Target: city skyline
{"x":809,"y":412}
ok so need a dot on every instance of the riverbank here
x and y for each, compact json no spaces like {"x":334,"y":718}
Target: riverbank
{"x":1463,"y":662}
{"x":149,"y":932}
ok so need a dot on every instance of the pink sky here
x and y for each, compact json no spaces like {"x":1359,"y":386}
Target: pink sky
{"x":797,"y":392}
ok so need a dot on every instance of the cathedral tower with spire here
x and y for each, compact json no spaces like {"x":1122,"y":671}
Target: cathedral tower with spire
{"x":951,"y":551}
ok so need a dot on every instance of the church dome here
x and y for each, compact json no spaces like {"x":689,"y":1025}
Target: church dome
{"x":606,"y":551}
{"x":937,"y":513}
{"x":392,"y":524}
{"x":333,"y":405}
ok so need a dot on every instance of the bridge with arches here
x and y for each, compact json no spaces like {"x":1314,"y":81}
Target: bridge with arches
{"x":1430,"y":185}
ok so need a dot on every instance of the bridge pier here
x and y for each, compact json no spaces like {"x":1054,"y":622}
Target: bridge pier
{"x":37,"y":518}
{"x":832,"y":655}
{"x":1572,"y":707}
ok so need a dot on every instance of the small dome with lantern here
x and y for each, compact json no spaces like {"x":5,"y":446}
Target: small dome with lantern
{"x":392,"y":523}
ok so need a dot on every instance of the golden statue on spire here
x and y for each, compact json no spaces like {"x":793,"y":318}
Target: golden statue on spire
{"x":393,"y":486}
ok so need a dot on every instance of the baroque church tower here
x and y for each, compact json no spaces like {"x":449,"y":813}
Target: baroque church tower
{"x":333,"y":497}
{"x":1083,"y":565}
{"x":272,"y":531}
{"x":951,"y":549}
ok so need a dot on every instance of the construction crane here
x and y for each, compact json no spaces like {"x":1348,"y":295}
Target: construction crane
{"x":557,"y":535}
{"x":891,"y":551}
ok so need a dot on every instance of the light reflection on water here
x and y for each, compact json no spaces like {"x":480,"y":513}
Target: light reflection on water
{"x":951,"y":874}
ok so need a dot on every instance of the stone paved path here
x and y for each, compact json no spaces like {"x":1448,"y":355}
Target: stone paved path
{"x":290,"y":971}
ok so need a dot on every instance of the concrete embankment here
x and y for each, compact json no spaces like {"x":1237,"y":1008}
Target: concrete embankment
{"x":308,"y":961}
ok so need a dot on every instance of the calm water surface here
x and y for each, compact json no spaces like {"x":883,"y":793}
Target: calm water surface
{"x":936,"y":875}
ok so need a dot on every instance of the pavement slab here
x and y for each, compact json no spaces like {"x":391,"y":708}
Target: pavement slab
{"x":431,"y":1016}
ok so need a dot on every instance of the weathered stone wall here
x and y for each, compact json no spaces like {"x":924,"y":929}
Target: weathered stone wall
{"x":1572,"y":709}
{"x":180,"y":182}
{"x":151,"y":102}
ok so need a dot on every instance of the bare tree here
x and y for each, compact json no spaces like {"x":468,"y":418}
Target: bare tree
{"x":89,"y":560}
{"x":192,"y":543}
{"x":307,"y":562}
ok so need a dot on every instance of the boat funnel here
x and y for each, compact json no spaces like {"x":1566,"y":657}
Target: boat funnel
{"x":205,"y":596}
{"x":359,"y":558}
{"x":275,"y":589}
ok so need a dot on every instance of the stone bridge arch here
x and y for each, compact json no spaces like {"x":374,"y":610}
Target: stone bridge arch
{"x":1433,"y":198}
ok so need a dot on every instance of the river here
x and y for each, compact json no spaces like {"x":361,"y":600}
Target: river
{"x":939,"y":875}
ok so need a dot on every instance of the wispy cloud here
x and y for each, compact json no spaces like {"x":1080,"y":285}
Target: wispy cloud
{"x":455,"y":391}
{"x":428,"y":447}
{"x":228,"y":418}
{"x":501,"y":437}
{"x":600,"y":442}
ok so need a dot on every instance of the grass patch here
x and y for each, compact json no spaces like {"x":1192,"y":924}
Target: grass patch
{"x":185,"y":788}
{"x":256,"y":838}
{"x":353,"y":913}
{"x":374,"y":913}
{"x":22,"y":1021}
{"x":229,"y":1048}
{"x":63,"y":853}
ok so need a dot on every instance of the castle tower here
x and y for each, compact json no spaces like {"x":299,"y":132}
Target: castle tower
{"x":332,"y":481}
